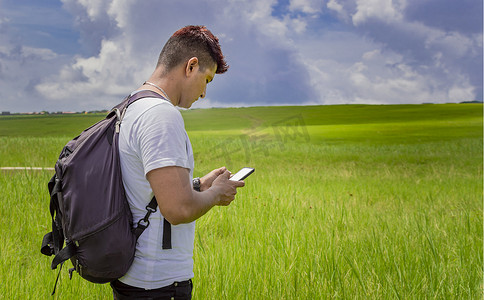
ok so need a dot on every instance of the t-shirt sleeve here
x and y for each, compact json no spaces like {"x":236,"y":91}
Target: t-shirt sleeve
{"x":160,"y":138}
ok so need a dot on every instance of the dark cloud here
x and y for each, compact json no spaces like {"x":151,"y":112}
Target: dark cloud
{"x":464,"y":17}
{"x":280,"y":52}
{"x":262,"y":76}
{"x":92,"y":27}
{"x":440,"y":54}
{"x":449,"y":15}
{"x":263,"y":70}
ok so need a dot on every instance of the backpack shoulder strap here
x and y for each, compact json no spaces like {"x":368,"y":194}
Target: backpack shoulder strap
{"x":151,"y":207}
{"x":120,"y":109}
{"x":145,"y":222}
{"x":143,"y":94}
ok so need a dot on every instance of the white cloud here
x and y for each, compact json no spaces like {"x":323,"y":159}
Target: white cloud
{"x":374,"y":75}
{"x":119,"y":11}
{"x":39,"y":53}
{"x":254,"y":46}
{"x":440,"y":49}
{"x":371,"y":54}
{"x":267,"y":52}
{"x":306,"y":6}
{"x":95,"y":9}
{"x":118,"y":67}
{"x":21,"y":68}
{"x":338,"y":8}
{"x":376,"y":55}
{"x":453,"y":43}
{"x":462,"y":92}
{"x":99,"y":81}
{"x":385,"y":10}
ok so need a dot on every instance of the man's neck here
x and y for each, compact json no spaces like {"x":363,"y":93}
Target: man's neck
{"x":159,"y":88}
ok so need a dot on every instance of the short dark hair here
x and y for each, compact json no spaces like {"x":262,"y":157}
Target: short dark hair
{"x":193,"y":41}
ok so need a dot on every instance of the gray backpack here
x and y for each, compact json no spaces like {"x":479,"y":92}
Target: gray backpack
{"x":88,"y":204}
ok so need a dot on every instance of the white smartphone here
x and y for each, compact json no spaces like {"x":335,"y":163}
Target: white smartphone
{"x":242,"y":174}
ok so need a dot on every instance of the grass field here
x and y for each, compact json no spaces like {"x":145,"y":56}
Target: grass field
{"x":347,"y":202}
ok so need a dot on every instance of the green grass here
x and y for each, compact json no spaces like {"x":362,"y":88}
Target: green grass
{"x":346,"y":202}
{"x":46,"y":125}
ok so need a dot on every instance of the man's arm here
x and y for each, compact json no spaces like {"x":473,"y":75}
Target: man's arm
{"x":179,"y":203}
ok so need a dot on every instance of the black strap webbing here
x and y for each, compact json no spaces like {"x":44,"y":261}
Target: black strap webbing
{"x":57,"y":279}
{"x":166,"y":234}
{"x":67,"y":252}
{"x":47,"y":247}
{"x":145,"y":222}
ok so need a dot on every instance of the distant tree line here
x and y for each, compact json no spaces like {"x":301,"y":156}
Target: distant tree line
{"x":7,"y":113}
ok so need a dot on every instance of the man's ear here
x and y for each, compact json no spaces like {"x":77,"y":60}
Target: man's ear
{"x":192,"y":66}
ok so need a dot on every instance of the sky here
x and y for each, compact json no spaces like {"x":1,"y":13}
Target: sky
{"x":76,"y":55}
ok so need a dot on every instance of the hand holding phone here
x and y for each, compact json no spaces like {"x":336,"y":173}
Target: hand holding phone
{"x":242,"y":174}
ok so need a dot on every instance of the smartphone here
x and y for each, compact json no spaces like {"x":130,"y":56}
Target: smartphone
{"x":242,"y":174}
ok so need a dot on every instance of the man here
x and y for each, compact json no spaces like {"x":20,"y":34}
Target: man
{"x":157,"y":159}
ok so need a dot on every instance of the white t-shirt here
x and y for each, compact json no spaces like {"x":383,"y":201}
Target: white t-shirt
{"x":153,"y":136}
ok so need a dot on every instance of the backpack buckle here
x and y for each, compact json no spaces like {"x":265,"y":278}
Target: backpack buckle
{"x":150,"y":209}
{"x":143,"y":223}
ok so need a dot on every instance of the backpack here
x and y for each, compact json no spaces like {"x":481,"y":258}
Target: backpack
{"x":88,"y":204}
